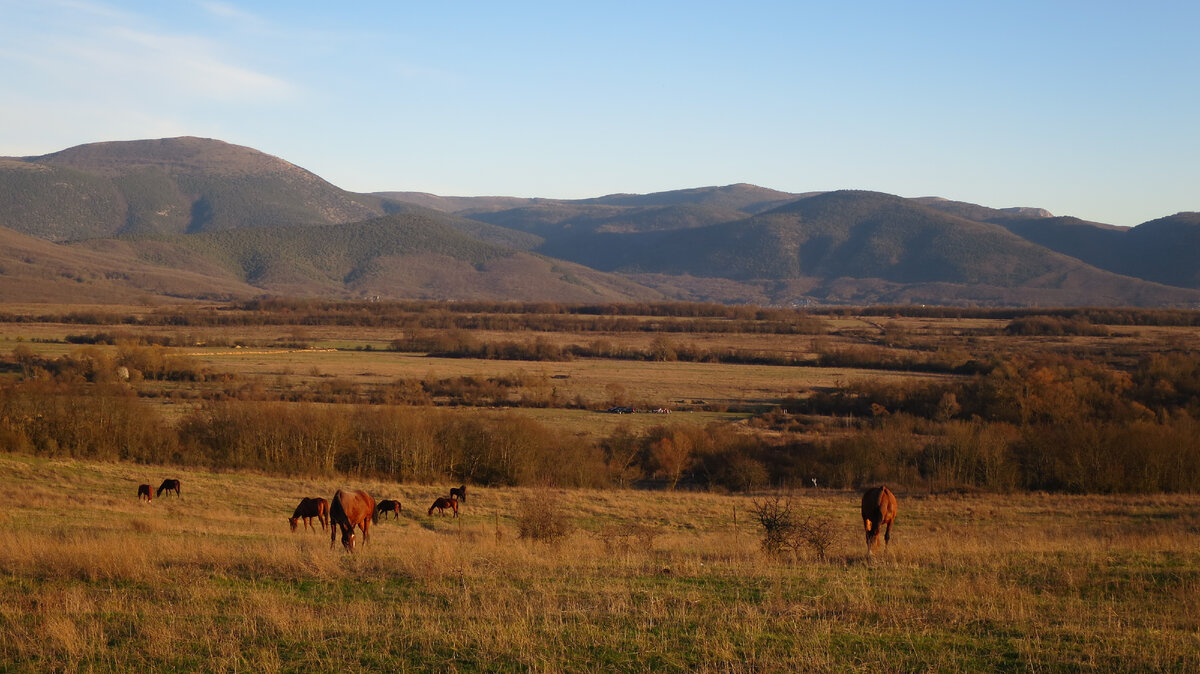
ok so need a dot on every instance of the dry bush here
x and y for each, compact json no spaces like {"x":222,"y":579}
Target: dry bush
{"x":787,"y":533}
{"x":539,"y":520}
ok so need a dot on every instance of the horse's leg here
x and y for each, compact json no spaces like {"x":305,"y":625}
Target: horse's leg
{"x":887,"y":534}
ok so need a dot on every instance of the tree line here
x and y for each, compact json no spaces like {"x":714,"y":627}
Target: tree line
{"x":1047,"y":423}
{"x":619,"y":317}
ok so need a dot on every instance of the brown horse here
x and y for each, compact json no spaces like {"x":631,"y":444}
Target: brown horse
{"x":168,"y":486}
{"x":308,"y":509}
{"x":459,"y":492}
{"x":349,"y":509}
{"x":442,"y":503}
{"x":144,"y":492}
{"x":878,"y":511}
{"x":387,"y":506}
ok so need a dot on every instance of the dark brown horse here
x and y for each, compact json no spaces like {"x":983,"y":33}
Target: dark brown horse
{"x":144,"y":492}
{"x":878,"y":512}
{"x":349,"y":509}
{"x":168,"y":486}
{"x":459,"y":492}
{"x":307,"y":510}
{"x":387,"y":506}
{"x":441,"y":503}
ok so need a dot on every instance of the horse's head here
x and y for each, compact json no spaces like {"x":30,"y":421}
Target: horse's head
{"x":348,"y":538}
{"x":293,"y":521}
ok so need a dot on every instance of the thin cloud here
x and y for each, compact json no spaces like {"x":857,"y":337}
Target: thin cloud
{"x":225,"y":10}
{"x":88,"y":49}
{"x":188,"y":64}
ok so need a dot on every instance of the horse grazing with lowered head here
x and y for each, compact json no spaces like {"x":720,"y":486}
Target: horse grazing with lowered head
{"x":348,"y":509}
{"x":168,"y":486}
{"x":459,"y":492}
{"x":307,"y":510}
{"x":878,"y":512}
{"x":441,"y":503}
{"x":387,"y":506}
{"x":144,"y":492}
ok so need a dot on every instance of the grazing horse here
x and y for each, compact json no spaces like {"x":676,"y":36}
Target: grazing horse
{"x":459,"y":492}
{"x":168,"y":486}
{"x":349,"y":509}
{"x":387,"y":506}
{"x":144,"y":492}
{"x":308,"y":509}
{"x":878,"y":511}
{"x":442,"y":503}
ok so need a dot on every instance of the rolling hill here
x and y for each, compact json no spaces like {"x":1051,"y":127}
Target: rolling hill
{"x":863,"y":247}
{"x":171,"y":185}
{"x":193,"y":217}
{"x":395,"y":256}
{"x":1166,"y":250}
{"x":35,"y":270}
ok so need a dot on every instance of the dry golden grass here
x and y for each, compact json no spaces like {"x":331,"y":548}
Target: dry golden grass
{"x":92,"y":579}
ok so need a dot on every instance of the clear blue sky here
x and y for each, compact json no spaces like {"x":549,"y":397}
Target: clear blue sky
{"x":1087,"y":108}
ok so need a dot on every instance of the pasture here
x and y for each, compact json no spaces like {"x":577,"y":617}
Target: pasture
{"x":94,"y":579}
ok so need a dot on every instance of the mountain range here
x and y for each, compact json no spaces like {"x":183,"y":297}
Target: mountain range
{"x":203,"y":219}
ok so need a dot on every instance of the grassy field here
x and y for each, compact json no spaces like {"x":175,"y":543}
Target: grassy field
{"x":91,"y":579}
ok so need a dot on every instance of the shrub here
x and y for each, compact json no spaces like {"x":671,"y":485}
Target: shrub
{"x":539,"y":522}
{"x":785,"y":532}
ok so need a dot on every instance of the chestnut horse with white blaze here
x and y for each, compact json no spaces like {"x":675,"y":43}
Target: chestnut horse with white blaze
{"x":348,"y":509}
{"x":878,"y":512}
{"x":307,"y":510}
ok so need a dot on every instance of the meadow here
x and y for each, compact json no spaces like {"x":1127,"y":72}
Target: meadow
{"x":1046,"y":465}
{"x":95,"y":580}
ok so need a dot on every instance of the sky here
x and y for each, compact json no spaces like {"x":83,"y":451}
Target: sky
{"x":1084,"y":108}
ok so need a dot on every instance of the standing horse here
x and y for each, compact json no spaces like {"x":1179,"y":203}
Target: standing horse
{"x":144,"y":492}
{"x":308,"y":509}
{"x":349,"y":509}
{"x":168,"y":486}
{"x":387,"y":506}
{"x":459,"y":492}
{"x":878,"y":511}
{"x":441,"y":503}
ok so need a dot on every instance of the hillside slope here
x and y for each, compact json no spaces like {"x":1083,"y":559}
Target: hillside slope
{"x":866,"y":246}
{"x":396,"y":256}
{"x":1166,"y":250}
{"x":34,"y":270}
{"x":169,"y":185}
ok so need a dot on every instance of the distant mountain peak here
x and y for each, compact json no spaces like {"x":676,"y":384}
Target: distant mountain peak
{"x":180,"y":153}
